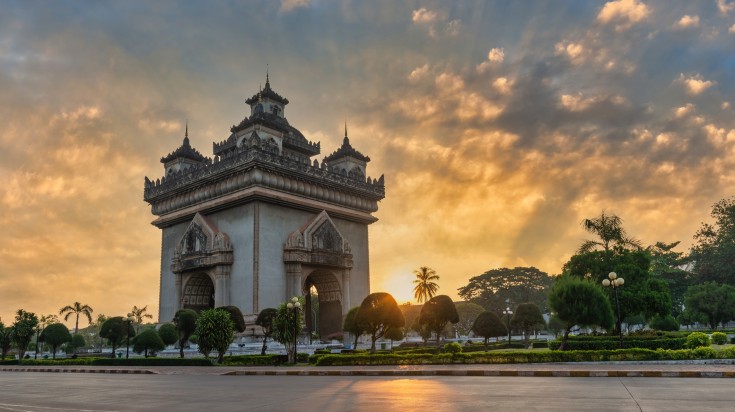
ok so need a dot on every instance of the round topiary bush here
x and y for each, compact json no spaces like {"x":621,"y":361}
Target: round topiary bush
{"x":696,"y":340}
{"x":719,"y":338}
{"x":667,"y":323}
{"x":452,"y":347}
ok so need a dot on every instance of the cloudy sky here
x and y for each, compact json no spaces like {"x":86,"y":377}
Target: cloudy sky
{"x":499,"y":126}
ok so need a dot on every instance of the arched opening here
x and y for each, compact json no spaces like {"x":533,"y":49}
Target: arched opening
{"x":326,"y":320}
{"x":199,"y":293}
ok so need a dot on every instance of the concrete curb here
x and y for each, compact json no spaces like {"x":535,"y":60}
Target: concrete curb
{"x":524,"y":373}
{"x":77,"y":370}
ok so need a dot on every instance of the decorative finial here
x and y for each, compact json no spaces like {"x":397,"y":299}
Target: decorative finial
{"x":345,"y":128}
{"x":186,"y":134}
{"x":267,"y":77}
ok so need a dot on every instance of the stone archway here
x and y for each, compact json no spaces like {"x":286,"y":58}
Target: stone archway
{"x":199,"y":293}
{"x":330,"y":303}
{"x":319,"y":255}
{"x":202,"y":259}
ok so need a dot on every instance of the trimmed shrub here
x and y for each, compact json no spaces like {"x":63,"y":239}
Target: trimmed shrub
{"x":696,"y":339}
{"x":263,"y":360}
{"x":121,"y":362}
{"x":719,"y":338}
{"x":452,"y":347}
{"x":610,"y":344}
{"x":539,"y":345}
{"x":667,"y":323}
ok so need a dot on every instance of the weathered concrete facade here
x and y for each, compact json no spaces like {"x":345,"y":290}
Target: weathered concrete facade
{"x":261,"y":221}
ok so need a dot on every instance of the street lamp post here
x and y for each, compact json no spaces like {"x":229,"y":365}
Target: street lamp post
{"x":507,"y":312}
{"x":293,"y":308}
{"x":615,"y":282}
{"x":129,"y":320}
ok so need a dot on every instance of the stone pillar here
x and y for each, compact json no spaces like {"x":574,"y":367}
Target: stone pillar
{"x":179,"y":291}
{"x":346,"y":304}
{"x":221,"y":287}
{"x":293,"y":280}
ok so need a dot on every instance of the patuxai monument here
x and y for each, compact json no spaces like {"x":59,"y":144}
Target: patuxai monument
{"x":263,"y":220}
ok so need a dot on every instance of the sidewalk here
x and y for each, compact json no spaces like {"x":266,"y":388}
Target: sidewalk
{"x":685,"y":369}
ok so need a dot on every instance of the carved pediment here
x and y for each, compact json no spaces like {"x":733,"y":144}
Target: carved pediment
{"x":319,"y":243}
{"x":202,"y":245}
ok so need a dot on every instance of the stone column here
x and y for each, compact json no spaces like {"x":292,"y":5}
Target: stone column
{"x":179,"y":292}
{"x":293,"y":280}
{"x":221,"y":287}
{"x":346,"y":305}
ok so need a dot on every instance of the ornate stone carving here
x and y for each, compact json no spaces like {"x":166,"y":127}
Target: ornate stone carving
{"x":326,"y":237}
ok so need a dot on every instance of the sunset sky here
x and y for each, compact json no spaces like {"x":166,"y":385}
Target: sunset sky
{"x":499,"y":126}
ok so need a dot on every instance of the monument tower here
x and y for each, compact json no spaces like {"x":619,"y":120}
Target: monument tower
{"x":262,"y":220}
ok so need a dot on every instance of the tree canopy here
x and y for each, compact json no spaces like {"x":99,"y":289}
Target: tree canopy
{"x":467,"y":312}
{"x":488,"y":325}
{"x":494,"y":288}
{"x":580,"y":302}
{"x":265,"y":321}
{"x":666,"y":264}
{"x":116,"y":329}
{"x":168,"y":333}
{"x":236,"y":316}
{"x":379,"y":312}
{"x":148,"y":340}
{"x":609,"y":229}
{"x":23,"y":330}
{"x":713,"y":252}
{"x":425,"y":288}
{"x":641,"y":294}
{"x":215,"y":331}
{"x":437,"y":313}
{"x":6,"y":339}
{"x":186,"y":323}
{"x":351,"y":326}
{"x":76,"y":309}
{"x":714,"y":302}
{"x":55,"y":335}
{"x":527,"y":317}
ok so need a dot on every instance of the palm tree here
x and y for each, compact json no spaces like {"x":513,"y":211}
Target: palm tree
{"x":138,"y":314}
{"x":610,"y":230}
{"x":425,"y":288}
{"x":76,"y":309}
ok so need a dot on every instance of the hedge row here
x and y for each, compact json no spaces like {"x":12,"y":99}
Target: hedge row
{"x":525,"y":357}
{"x":610,"y":344}
{"x":643,"y":335}
{"x":262,"y":360}
{"x":120,"y":362}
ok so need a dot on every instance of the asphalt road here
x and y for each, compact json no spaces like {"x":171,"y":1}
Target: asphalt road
{"x":60,"y":392}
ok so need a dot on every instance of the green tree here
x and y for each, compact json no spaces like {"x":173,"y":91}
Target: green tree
{"x":168,"y":333}
{"x":96,"y":326}
{"x":138,"y":314}
{"x":426,"y":286}
{"x":714,"y":302}
{"x":55,"y":335}
{"x":467,"y":312}
{"x":379,"y":312}
{"x":351,"y":326}
{"x":713,"y":252}
{"x":494,"y":288}
{"x":579,"y":302}
{"x":236,"y":316}
{"x":609,"y":228}
{"x":6,"y":340}
{"x":556,"y":325}
{"x":666,"y":264}
{"x":77,"y":342}
{"x":148,"y":340}
{"x":116,"y":329}
{"x":265,"y":321}
{"x":215,"y":330}
{"x":641,"y":293}
{"x":437,"y":313}
{"x":394,"y":334}
{"x":186,"y":323}
{"x":667,"y":323}
{"x":422,"y":329}
{"x":287,"y":325}
{"x":24,"y":329}
{"x":76,"y":309}
{"x":488,"y":325}
{"x":527,"y":317}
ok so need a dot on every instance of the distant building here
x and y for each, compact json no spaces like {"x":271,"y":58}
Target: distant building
{"x":261,"y":221}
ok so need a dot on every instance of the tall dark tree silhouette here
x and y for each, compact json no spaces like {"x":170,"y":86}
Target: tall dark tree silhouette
{"x":425,"y":288}
{"x":609,"y":228}
{"x":76,"y":309}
